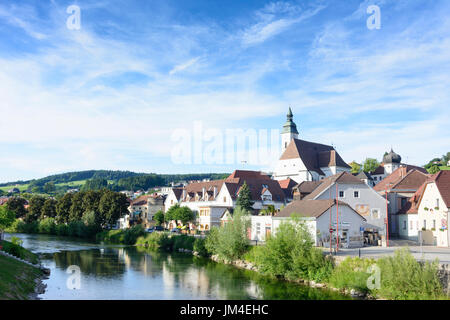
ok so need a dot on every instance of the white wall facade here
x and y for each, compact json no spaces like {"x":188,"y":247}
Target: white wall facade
{"x":433,"y":215}
{"x":369,"y":204}
{"x":408,"y":226}
{"x":292,"y":168}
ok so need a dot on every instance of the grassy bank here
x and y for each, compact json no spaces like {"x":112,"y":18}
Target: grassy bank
{"x":17,"y":279}
{"x":19,"y":252}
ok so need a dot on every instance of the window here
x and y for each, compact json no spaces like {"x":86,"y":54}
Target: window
{"x":341,"y":194}
{"x":417,"y":225}
{"x":356,"y":194}
{"x":425,"y":224}
{"x":404,"y":225}
{"x":410,"y":225}
{"x":437,"y":203}
{"x":224,"y":199}
{"x":375,"y":214}
{"x":375,"y":178}
{"x":434,"y":224}
{"x":258,"y":228}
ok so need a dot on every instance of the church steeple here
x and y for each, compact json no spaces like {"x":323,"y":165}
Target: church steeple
{"x":289,"y":131}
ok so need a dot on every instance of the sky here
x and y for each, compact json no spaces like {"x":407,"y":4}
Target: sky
{"x":125,"y":90}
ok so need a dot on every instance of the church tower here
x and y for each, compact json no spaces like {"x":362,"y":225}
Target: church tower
{"x":289,"y":131}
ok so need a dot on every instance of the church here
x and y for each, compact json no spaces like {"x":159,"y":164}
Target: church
{"x":303,"y":160}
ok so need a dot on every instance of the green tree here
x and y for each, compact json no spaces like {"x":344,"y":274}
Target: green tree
{"x":49,"y":187}
{"x":35,"y":209}
{"x":171,"y":213}
{"x":356,"y":167}
{"x":76,"y":209}
{"x":63,"y":208}
{"x":370,"y":165}
{"x":111,"y":207}
{"x":446,"y":158}
{"x":184,"y":214}
{"x":7,"y":218}
{"x":244,"y":199}
{"x":49,"y":209}
{"x":159,"y":217}
{"x":230,"y":242}
{"x":95,"y":184}
{"x":17,"y":205}
{"x":434,"y":169}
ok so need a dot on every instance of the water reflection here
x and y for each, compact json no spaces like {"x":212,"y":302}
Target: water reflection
{"x":135,"y":273}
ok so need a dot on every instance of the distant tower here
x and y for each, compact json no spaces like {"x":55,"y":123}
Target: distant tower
{"x":392,"y":162}
{"x":289,"y":131}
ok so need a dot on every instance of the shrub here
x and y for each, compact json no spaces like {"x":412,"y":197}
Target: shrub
{"x":403,"y":277}
{"x":290,"y":254}
{"x":200,"y":248}
{"x":47,"y":226}
{"x":128,"y":236}
{"x":183,"y":242}
{"x":230,"y":242}
{"x":62,"y":230}
{"x":352,"y":274}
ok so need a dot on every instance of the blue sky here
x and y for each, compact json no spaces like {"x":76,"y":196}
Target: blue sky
{"x":110,"y":95}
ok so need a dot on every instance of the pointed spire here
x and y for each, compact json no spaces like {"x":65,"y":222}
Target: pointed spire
{"x":289,"y":126}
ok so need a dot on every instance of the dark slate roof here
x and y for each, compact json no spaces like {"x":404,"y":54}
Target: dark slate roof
{"x":311,"y":208}
{"x":341,"y":178}
{"x":313,"y":155}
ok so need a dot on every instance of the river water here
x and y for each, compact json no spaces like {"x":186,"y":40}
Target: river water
{"x":119,"y":272}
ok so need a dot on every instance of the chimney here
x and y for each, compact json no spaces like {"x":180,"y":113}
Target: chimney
{"x":183,"y":195}
{"x":215,"y":192}
{"x":203,"y":193}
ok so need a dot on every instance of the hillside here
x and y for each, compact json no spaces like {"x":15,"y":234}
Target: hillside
{"x":95,"y":179}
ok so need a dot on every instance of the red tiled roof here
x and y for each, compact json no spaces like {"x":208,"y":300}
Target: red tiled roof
{"x":442,"y":180}
{"x":413,"y":180}
{"x":247,"y":174}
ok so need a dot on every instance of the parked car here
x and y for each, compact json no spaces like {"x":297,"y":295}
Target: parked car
{"x":158,"y":228}
{"x":175,"y":230}
{"x":150,"y":230}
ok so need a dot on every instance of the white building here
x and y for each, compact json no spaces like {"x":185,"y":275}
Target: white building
{"x":316,"y":214}
{"x":357,"y":194}
{"x":433,"y":209}
{"x":305,"y":161}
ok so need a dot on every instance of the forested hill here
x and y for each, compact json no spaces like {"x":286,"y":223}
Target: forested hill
{"x":97,"y":179}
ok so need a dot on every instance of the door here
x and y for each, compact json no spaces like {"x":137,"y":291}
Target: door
{"x":268,"y":230}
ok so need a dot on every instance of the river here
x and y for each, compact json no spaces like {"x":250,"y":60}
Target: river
{"x":121,"y":273}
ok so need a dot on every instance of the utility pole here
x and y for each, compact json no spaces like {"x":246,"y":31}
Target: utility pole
{"x":337,"y":218}
{"x":387,"y":217}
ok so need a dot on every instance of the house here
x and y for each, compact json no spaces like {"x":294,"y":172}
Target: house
{"x":173,"y":198}
{"x":303,"y":189}
{"x":144,"y":208}
{"x":357,"y":194}
{"x":400,"y":186}
{"x":287,"y":185}
{"x":303,"y":160}
{"x":408,"y":220}
{"x":210,"y":199}
{"x":433,"y":210}
{"x":320,"y":216}
{"x":391,"y":162}
{"x":365,"y":177}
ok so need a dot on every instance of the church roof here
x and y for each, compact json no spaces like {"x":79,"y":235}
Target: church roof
{"x":290,"y":126}
{"x":406,"y":177}
{"x":313,"y":155}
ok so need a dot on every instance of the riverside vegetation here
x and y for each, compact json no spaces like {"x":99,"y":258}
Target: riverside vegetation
{"x":290,"y":255}
{"x":17,"y":279}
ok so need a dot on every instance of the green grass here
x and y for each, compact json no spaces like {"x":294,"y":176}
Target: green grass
{"x":16,"y":279}
{"x":21,"y":187}
{"x":444,"y":168}
{"x":19,"y":252}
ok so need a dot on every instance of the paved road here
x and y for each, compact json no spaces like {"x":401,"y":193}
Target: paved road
{"x":429,"y":253}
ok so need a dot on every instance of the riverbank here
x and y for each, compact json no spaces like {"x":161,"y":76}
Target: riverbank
{"x":19,"y":280}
